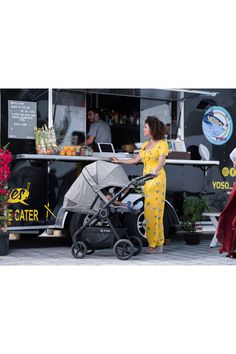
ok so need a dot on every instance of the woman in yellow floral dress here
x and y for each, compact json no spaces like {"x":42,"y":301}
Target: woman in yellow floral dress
{"x":153,"y":155}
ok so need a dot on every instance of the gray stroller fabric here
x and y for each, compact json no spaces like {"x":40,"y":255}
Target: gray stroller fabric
{"x":94,"y":177}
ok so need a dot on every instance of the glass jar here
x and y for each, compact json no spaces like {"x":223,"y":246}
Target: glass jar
{"x":90,"y":151}
{"x":87,"y":150}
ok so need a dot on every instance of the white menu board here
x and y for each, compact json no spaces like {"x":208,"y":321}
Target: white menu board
{"x":22,"y":119}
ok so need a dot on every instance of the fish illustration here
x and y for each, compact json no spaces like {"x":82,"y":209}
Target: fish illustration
{"x":212,"y":125}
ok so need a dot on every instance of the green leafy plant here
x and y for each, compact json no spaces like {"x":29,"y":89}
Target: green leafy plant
{"x":192,"y":211}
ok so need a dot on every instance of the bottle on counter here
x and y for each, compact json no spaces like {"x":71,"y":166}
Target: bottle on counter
{"x":124,"y":119}
{"x":86,"y":150}
{"x":111,"y":122}
{"x":131,"y":119}
{"x":116,"y":117}
{"x":113,"y":116}
{"x":168,"y":142}
{"x":121,"y":120}
{"x":106,"y":115}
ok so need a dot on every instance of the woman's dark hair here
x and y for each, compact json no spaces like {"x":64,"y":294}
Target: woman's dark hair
{"x":157,"y":127}
{"x":80,"y":136}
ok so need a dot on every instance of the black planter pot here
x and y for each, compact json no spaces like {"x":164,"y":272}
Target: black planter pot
{"x":4,"y":243}
{"x":192,"y":238}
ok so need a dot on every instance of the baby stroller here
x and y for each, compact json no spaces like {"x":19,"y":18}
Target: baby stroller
{"x":103,"y":228}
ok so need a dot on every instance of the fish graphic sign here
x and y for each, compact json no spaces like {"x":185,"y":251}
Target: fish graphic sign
{"x":217,"y":125}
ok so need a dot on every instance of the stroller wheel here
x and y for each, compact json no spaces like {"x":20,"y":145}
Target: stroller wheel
{"x":90,"y":252}
{"x":124,"y":249}
{"x":79,"y":250}
{"x":138,"y":245}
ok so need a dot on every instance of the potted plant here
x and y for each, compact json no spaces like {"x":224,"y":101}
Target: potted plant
{"x":192,"y":212}
{"x":5,"y":160}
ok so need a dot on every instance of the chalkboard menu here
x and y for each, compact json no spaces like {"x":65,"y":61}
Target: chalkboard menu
{"x":22,"y":118}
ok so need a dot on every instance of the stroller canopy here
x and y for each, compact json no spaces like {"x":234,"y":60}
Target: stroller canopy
{"x":94,"y":177}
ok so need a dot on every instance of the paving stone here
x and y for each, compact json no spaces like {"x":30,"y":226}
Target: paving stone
{"x":176,"y":253}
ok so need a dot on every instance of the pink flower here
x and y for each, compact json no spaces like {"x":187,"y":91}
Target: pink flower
{"x":5,"y":160}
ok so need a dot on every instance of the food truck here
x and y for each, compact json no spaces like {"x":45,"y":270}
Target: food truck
{"x":200,"y":135}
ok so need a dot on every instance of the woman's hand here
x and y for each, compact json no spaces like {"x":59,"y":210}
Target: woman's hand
{"x":126,"y":161}
{"x":154,"y":172}
{"x":115,"y":159}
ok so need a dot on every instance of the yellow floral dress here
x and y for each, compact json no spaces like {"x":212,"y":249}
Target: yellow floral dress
{"x":154,"y":193}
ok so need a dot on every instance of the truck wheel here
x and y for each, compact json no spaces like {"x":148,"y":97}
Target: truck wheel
{"x":136,"y":224}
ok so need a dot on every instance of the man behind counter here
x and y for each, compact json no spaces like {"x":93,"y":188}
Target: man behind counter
{"x":99,"y":131}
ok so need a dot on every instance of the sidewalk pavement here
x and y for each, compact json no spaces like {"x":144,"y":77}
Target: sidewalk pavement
{"x":176,"y":253}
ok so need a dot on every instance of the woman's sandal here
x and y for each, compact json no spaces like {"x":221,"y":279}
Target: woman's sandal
{"x":158,"y":249}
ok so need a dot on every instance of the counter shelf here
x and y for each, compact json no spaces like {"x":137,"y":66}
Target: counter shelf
{"x":204,"y":165}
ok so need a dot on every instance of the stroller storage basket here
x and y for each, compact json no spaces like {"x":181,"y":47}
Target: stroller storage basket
{"x":100,"y":237}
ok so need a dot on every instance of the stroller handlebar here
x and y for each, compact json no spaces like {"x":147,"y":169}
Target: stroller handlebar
{"x":139,"y":181}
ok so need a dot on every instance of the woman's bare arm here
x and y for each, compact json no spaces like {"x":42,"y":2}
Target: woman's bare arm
{"x":161,"y":162}
{"x":133,"y":161}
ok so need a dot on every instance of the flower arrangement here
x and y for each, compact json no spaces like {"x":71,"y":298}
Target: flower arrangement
{"x":5,"y":160}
